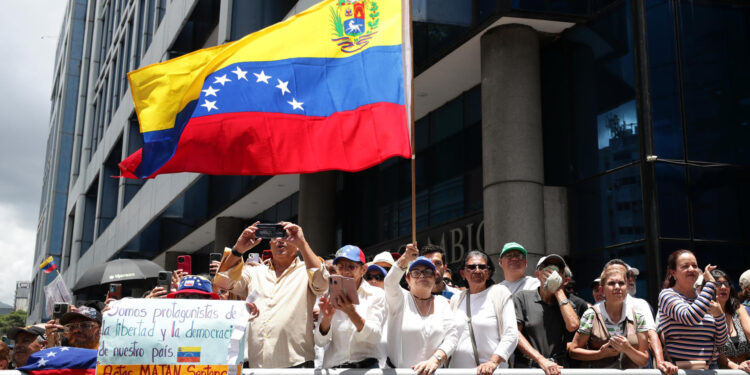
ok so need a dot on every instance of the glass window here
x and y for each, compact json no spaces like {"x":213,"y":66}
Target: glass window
{"x":715,"y":47}
{"x":671,"y":185}
{"x":251,"y":16}
{"x":721,"y":203}
{"x":589,"y":93}
{"x":665,"y":96}
{"x":606,"y":210}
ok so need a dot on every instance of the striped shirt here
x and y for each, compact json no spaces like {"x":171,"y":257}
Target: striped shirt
{"x":691,"y":333}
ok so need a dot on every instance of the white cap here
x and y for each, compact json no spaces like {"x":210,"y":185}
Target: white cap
{"x":633,"y":270}
{"x":745,"y":279}
{"x":550,"y":257}
{"x":384,"y":257}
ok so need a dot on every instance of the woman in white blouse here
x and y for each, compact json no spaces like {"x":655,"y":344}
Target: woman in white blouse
{"x":421,"y":328}
{"x":491,"y":318}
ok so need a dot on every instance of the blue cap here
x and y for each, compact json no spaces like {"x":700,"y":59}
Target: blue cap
{"x":194,"y":284}
{"x":350,"y":252}
{"x":375,"y":267}
{"x":422,"y":261}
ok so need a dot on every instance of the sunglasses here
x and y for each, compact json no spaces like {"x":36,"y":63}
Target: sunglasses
{"x":374,"y":276}
{"x":424,"y":273}
{"x":476,"y":266}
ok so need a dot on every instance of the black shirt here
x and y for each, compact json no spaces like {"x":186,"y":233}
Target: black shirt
{"x":543,"y":324}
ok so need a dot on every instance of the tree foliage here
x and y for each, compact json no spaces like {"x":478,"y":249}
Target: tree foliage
{"x":14,"y":319}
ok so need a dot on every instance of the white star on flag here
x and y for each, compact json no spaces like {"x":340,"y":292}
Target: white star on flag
{"x":283,"y":86}
{"x":51,"y":354}
{"x":296,"y":105}
{"x":240,"y":73}
{"x":223,"y":79}
{"x":64,"y":348}
{"x":42,"y":362}
{"x":209,"y":105}
{"x":210,"y":91}
{"x":262,"y":77}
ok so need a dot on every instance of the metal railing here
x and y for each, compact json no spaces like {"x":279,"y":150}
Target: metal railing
{"x":468,"y":371}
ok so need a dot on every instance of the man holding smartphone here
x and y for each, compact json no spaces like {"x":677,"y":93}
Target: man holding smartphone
{"x":351,"y":333}
{"x":286,"y":290}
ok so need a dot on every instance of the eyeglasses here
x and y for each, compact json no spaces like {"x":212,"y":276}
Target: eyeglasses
{"x":514,"y":256}
{"x":425,"y":273}
{"x":475,"y":266}
{"x":719,"y":284}
{"x":70,"y":327}
{"x":374,"y":276}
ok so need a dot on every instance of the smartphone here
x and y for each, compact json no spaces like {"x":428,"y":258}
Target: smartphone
{"x":59,"y":310}
{"x":253,"y":258}
{"x":340,"y":285}
{"x":266,"y":255}
{"x":269,"y":231}
{"x":115,"y":291}
{"x":211,"y":258}
{"x":184,"y":262}
{"x":164,"y":279}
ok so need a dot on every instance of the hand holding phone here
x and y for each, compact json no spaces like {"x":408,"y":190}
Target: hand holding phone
{"x":115,"y":291}
{"x":340,"y":286}
{"x":184,"y":262}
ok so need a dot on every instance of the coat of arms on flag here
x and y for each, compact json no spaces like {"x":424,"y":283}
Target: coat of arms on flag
{"x":354,"y":23}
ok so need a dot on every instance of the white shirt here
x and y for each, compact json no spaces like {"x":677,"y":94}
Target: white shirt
{"x":524,"y":283}
{"x":484,"y":322}
{"x":640,"y":305}
{"x":413,"y":338}
{"x":342,"y":342}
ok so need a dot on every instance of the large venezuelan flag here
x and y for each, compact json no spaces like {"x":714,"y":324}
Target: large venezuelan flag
{"x":322,"y":90}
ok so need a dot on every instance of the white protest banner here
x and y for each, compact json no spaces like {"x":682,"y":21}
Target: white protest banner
{"x":56,"y":292}
{"x":172,"y":336}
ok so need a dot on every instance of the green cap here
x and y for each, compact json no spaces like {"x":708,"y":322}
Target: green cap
{"x":512,"y":246}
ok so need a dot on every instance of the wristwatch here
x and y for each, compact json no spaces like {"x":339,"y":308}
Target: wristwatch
{"x":438,"y":357}
{"x":236,"y":253}
{"x":564,"y":302}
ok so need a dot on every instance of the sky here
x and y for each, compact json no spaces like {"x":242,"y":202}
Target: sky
{"x":28,"y":38}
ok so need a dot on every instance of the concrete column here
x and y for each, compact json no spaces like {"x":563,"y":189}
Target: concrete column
{"x":317,"y":210}
{"x":512,"y":147}
{"x":227,"y":231}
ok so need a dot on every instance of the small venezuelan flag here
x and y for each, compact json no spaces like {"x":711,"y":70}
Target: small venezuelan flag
{"x":189,"y":354}
{"x":48,"y":265}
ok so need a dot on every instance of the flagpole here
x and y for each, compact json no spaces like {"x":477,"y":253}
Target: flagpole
{"x":411,"y":126}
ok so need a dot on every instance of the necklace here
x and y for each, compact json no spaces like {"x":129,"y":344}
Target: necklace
{"x":429,"y":309}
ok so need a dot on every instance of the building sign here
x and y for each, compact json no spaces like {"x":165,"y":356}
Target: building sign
{"x":161,"y":336}
{"x":456,"y":237}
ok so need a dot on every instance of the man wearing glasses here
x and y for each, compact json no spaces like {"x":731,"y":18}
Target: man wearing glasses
{"x":82,"y":327}
{"x":513,"y":262}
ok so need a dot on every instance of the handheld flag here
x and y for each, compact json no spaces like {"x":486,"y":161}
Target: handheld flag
{"x":61,"y":360}
{"x":48,"y":265}
{"x":322,"y":90}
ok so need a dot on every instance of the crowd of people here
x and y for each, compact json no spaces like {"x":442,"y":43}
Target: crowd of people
{"x":408,"y":312}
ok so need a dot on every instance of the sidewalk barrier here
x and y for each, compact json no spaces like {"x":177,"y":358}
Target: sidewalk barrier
{"x":403,"y":371}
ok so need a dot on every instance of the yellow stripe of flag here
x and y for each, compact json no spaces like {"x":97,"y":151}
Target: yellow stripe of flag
{"x":309,"y":34}
{"x":46,"y":262}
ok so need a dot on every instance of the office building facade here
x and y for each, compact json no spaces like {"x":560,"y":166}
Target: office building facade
{"x":589,"y":128}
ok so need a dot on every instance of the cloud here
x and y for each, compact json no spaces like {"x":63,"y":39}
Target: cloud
{"x":30,"y":30}
{"x":17,"y":244}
